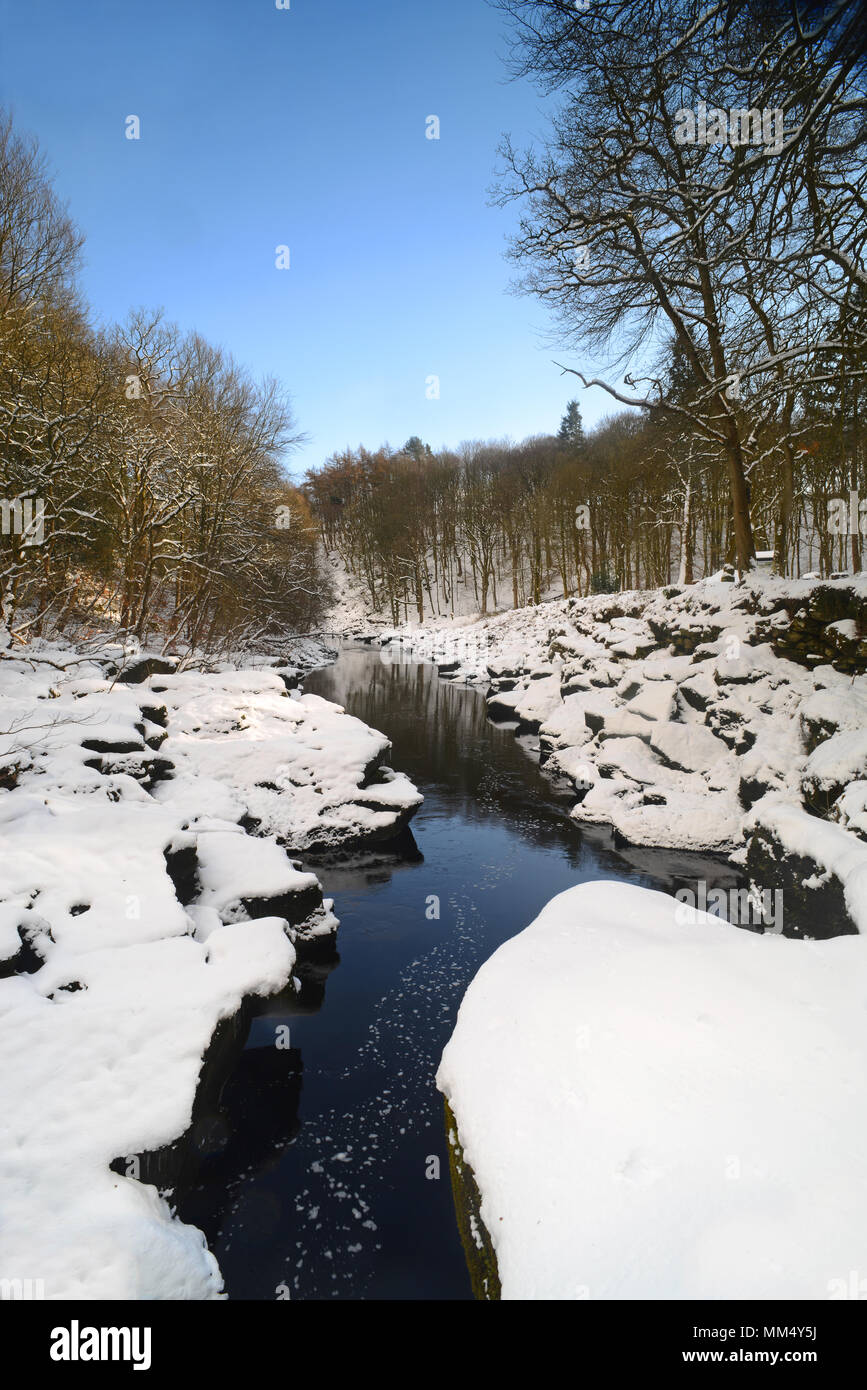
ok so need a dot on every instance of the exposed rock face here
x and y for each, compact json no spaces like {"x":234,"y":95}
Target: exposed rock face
{"x":815,"y":905}
{"x":829,"y":627}
{"x":478,"y":1247}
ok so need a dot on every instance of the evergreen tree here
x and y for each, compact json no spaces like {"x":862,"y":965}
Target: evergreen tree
{"x":571,"y":431}
{"x":415,"y":449}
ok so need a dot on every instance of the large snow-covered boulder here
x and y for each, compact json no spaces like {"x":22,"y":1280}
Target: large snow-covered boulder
{"x":539,"y":700}
{"x":820,"y":866}
{"x":101,"y":1044}
{"x":686,"y":747}
{"x":300,"y":768}
{"x":655,"y":700}
{"x":829,"y":712}
{"x":650,"y":1108}
{"x":831,"y":766}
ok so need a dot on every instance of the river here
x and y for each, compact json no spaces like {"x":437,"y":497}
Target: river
{"x":324,"y":1174}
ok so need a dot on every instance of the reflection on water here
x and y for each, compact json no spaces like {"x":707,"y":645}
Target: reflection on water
{"x":321,"y":1178}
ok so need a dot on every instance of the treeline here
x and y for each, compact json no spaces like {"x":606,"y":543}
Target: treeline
{"x":141,"y":476}
{"x":703,"y":183}
{"x":633,"y":504}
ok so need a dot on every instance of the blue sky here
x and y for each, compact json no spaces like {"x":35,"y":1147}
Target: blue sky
{"x":263,"y":127}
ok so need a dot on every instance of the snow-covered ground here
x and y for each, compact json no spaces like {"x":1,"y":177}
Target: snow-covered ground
{"x":352,"y":611}
{"x":658,"y":1107}
{"x":146,"y":888}
{"x":692,"y":718}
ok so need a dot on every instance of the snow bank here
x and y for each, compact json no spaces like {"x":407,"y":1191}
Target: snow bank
{"x":137,"y":911}
{"x":300,"y":767}
{"x":660,"y":1110}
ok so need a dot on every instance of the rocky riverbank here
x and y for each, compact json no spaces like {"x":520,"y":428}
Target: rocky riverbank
{"x":726,"y":717}
{"x":151,"y":880}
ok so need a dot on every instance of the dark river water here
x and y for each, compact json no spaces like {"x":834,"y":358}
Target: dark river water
{"x":319,"y":1177}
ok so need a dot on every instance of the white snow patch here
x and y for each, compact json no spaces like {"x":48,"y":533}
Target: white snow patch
{"x":657,"y":1110}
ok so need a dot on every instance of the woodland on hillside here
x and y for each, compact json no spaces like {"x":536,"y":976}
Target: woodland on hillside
{"x":625,"y":506}
{"x":143,"y":483}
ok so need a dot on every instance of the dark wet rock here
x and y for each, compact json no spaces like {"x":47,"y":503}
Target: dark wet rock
{"x":595,"y":720}
{"x":139,"y":668}
{"x":814,"y":902}
{"x":98,"y":745}
{"x":33,"y":932}
{"x":478,"y":1247}
{"x":683,"y":633}
{"x":752,"y":789}
{"x":373,"y":769}
{"x":157,"y":770}
{"x":502,"y":710}
{"x":630,"y":687}
{"x":294,"y":908}
{"x":155,"y":714}
{"x":140,"y":766}
{"x":497,"y":669}
{"x":10,"y":771}
{"x":729,"y":725}
{"x":182,"y":868}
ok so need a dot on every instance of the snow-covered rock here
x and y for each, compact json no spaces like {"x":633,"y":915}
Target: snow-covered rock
{"x":653,"y":1109}
{"x":820,"y":866}
{"x":541,"y":698}
{"x":827,"y":712}
{"x":301,"y":768}
{"x":831,"y":766}
{"x":850,"y":809}
{"x":655,"y":700}
{"x":686,"y":747}
{"x":622,"y":723}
